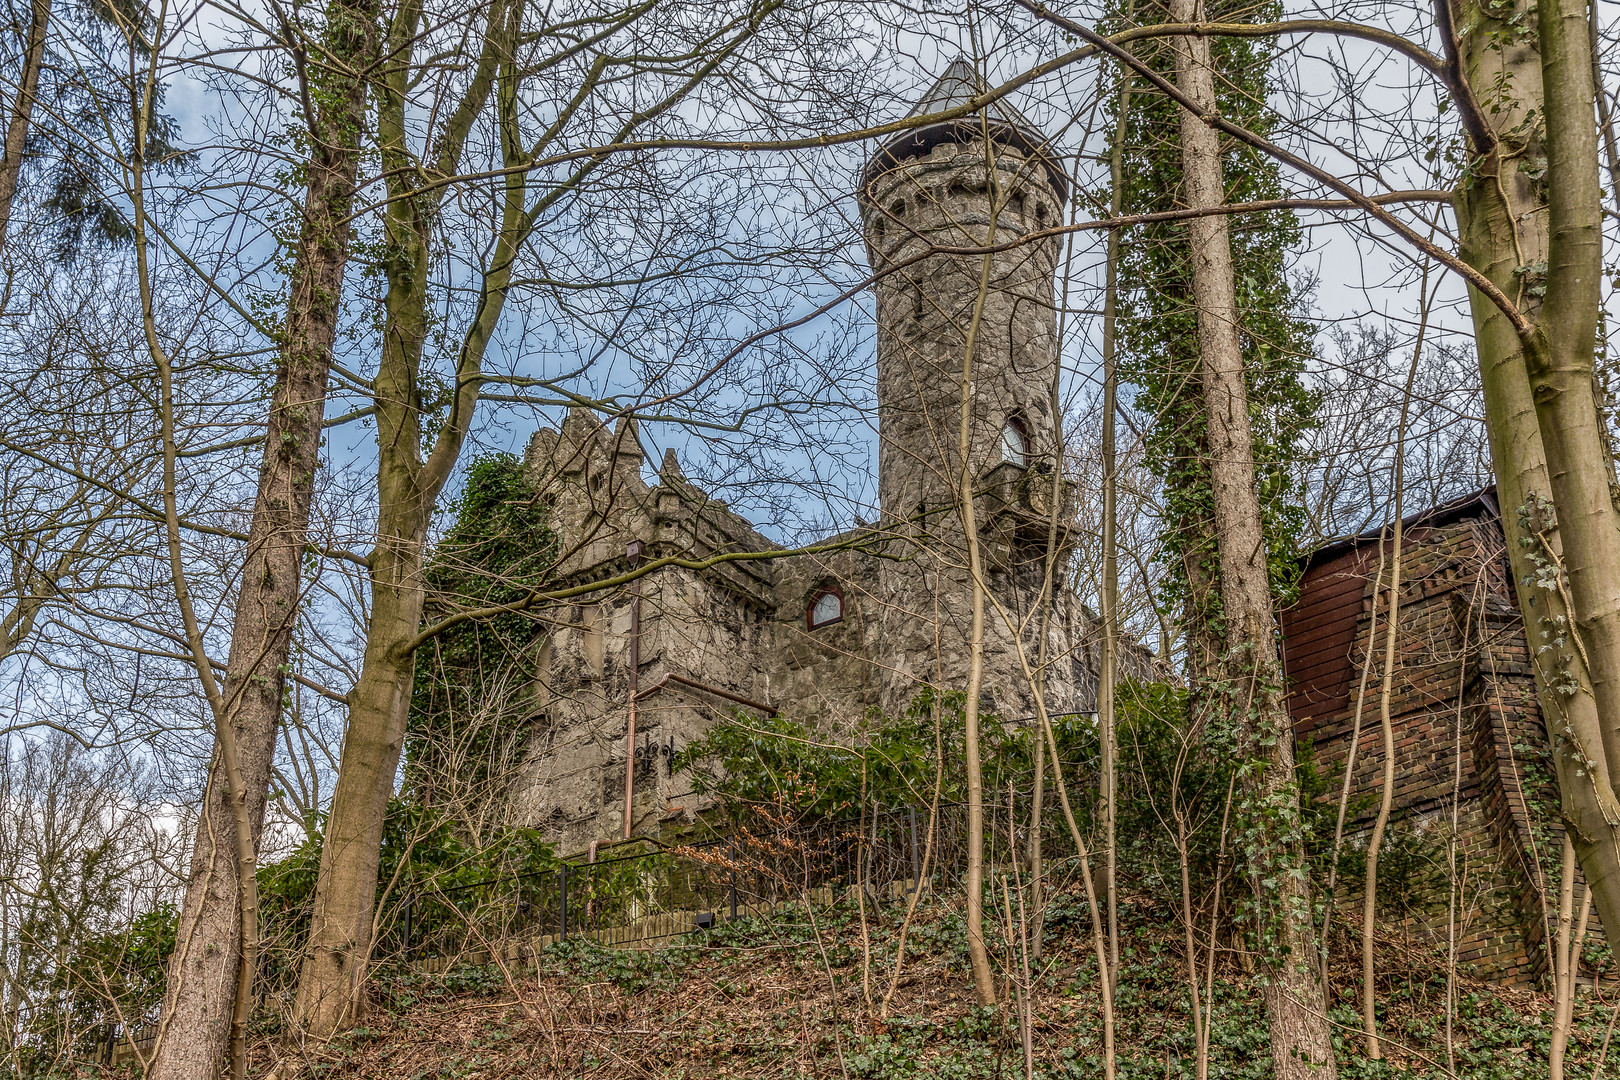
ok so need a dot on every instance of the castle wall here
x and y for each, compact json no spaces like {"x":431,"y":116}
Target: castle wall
{"x":718,"y":633}
{"x":713,"y":639}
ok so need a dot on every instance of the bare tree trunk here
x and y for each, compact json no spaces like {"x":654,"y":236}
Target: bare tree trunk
{"x":22,"y":110}
{"x":339,"y":953}
{"x":1330,"y":899}
{"x":1253,"y":692}
{"x":1605,"y":121}
{"x":333,"y":975}
{"x":1109,"y":606}
{"x":984,"y":987}
{"x":1098,"y":937}
{"x":227,"y":756}
{"x":1566,"y":960}
{"x":1189,"y":918}
{"x":203,"y":973}
{"x":1504,"y":234}
{"x":1369,"y":900}
{"x":1375,"y":844}
{"x":1562,"y":373}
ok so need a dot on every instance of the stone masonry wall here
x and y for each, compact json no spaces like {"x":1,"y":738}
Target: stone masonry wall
{"x":964,"y":194}
{"x":721,"y":632}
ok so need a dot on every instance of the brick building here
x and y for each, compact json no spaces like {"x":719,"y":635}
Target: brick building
{"x":1473,"y":765}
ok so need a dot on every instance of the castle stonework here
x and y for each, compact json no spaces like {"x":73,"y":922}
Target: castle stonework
{"x":869,"y":618}
{"x":637,"y":667}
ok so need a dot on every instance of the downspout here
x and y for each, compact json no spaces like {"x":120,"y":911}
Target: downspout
{"x":633,"y":552}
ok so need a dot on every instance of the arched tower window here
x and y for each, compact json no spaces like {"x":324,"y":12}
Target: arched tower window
{"x":826,"y":607}
{"x":1014,"y":443}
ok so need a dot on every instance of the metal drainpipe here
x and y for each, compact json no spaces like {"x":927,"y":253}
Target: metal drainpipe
{"x":632,"y":551}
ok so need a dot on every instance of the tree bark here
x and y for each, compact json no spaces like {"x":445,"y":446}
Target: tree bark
{"x":335,"y":966}
{"x":1504,"y":235}
{"x":1386,"y":726}
{"x":22,"y":110}
{"x":1108,"y":607}
{"x":339,"y":952}
{"x":1386,"y":792}
{"x":1562,"y":372}
{"x":1252,"y":693}
{"x":202,"y":978}
{"x":984,"y":985}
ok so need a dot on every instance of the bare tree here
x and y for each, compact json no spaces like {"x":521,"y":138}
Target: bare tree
{"x":24,"y":92}
{"x":1536,"y":356}
{"x":82,"y":858}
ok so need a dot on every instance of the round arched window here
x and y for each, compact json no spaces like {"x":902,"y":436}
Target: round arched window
{"x":1014,"y":444}
{"x":826,"y":607}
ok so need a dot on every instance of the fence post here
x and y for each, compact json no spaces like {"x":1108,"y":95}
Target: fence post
{"x":916,"y":867}
{"x":733,"y":861}
{"x":562,"y":906}
{"x":405,"y":934}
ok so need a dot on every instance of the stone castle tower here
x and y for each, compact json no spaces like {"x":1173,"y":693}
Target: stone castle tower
{"x":988,"y":181}
{"x":950,"y":214}
{"x":872,"y":616}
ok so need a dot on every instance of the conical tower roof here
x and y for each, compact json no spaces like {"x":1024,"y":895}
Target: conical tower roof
{"x":959,"y":85}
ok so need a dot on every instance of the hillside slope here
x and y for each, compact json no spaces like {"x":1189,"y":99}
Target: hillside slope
{"x":790,"y":998}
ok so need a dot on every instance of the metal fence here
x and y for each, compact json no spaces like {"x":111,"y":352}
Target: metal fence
{"x":665,"y":893}
{"x":679,"y":890}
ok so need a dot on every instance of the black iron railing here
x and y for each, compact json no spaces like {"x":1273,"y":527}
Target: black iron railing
{"x":666,"y":892}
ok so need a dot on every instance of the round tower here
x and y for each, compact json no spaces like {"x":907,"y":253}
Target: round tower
{"x":986,"y":180}
{"x":941,"y":187}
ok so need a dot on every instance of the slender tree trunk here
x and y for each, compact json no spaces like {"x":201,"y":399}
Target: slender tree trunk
{"x":1252,"y":695}
{"x":1386,"y":794}
{"x":1329,"y":905}
{"x":1375,"y":843}
{"x":203,"y":974}
{"x":1566,"y":960}
{"x":227,"y":754}
{"x":336,"y":964}
{"x":339,"y":953}
{"x":22,"y":110}
{"x":1107,"y":677}
{"x":1505,"y":235}
{"x":984,"y":987}
{"x":1562,"y":373}
{"x":339,"y":949}
{"x":1605,"y":121}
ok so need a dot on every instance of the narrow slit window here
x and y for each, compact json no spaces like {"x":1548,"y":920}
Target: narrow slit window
{"x":1014,"y":444}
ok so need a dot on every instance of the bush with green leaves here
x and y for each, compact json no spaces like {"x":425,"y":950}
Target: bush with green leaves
{"x":749,"y":762}
{"x":426,"y":858}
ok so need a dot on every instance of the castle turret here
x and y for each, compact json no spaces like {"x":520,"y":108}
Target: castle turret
{"x":981,"y":180}
{"x":986,"y":180}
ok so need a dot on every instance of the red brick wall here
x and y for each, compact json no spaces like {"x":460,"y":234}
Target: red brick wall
{"x":1472,"y":789}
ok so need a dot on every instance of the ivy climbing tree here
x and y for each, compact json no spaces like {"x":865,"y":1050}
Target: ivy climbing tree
{"x":1158,"y":326}
{"x":474,"y":691}
{"x":1220,"y":379}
